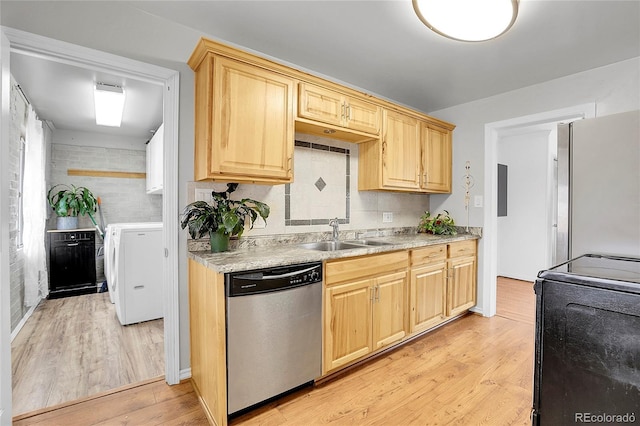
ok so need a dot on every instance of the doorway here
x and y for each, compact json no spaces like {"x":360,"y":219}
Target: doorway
{"x":493,"y":133}
{"x":30,"y":44}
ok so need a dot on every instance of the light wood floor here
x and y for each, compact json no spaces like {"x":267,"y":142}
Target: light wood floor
{"x":74,"y":347}
{"x":475,"y":370}
{"x":516,"y":300}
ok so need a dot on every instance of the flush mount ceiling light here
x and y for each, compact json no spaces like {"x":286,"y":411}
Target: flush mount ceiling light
{"x":109,"y":101}
{"x":467,"y":20}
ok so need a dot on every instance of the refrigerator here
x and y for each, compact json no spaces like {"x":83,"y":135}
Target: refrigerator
{"x":599,"y":187}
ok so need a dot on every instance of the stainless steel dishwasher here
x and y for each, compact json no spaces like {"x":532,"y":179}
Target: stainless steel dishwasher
{"x":274,"y":332}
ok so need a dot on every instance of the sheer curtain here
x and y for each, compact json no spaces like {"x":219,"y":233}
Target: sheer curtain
{"x":35,"y":212}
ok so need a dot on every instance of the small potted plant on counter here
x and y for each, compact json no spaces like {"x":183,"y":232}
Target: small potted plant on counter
{"x":223,"y":218}
{"x":441,"y":224}
{"x":69,"y":201}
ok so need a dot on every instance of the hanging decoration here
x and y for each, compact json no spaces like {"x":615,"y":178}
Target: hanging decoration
{"x":469,"y":182}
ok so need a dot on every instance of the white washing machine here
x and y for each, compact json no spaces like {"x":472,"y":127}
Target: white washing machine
{"x":109,"y":259}
{"x":135,"y":269}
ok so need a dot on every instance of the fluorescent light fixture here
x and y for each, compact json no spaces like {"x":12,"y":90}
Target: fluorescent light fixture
{"x":109,"y":100}
{"x":467,"y":20}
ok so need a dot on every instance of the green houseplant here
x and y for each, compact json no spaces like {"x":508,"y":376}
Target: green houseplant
{"x":441,"y":224}
{"x":69,"y":201}
{"x":223,"y":218}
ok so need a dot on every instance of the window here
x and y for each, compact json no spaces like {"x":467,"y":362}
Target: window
{"x":19,"y":239}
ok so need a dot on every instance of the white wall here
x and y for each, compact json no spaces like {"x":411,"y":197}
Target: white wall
{"x":613,"y":88}
{"x":523,"y":243}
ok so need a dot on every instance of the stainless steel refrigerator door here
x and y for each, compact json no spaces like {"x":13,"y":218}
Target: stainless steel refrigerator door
{"x":604,"y":194}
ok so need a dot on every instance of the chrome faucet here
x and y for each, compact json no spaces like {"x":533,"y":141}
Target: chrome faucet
{"x":334,"y":224}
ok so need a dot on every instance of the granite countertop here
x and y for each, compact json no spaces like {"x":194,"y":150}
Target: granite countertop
{"x":289,"y":254}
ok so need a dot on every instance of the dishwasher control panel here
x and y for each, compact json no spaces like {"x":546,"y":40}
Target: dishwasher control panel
{"x":272,"y":279}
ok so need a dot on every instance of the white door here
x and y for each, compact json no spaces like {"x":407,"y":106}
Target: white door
{"x":5,"y":315}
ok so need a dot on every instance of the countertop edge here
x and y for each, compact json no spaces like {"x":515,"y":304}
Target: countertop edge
{"x":290,"y":254}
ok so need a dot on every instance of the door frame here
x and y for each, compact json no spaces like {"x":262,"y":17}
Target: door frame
{"x":490,"y":222}
{"x":44,"y":47}
{"x":5,"y":304}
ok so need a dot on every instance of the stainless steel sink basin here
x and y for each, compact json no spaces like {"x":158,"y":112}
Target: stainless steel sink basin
{"x":330,"y":245}
{"x":368,"y":242}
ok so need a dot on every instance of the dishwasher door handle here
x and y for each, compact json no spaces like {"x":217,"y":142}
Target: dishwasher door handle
{"x":288,"y":274}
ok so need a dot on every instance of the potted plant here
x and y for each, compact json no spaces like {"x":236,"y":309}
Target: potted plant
{"x":441,"y":224}
{"x":223,"y":218}
{"x":69,"y":201}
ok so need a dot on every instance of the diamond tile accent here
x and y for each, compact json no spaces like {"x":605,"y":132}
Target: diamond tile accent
{"x":320,"y":184}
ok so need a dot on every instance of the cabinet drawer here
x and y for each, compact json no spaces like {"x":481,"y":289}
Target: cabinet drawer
{"x":462,"y":248}
{"x":429,"y":254}
{"x":360,"y":267}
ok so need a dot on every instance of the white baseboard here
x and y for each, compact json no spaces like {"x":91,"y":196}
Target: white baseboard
{"x":24,"y":319}
{"x":185,"y":374}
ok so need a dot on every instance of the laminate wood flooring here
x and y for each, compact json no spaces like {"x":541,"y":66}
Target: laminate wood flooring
{"x":74,"y":347}
{"x":516,"y":300}
{"x":474,"y":370}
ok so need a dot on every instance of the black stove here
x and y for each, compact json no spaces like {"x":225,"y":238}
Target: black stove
{"x":587,"y":349}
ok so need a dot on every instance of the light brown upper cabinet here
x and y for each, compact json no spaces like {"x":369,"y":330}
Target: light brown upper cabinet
{"x":436,"y":159}
{"x":244,"y":122}
{"x":328,"y":106}
{"x":248,"y":108}
{"x":412,"y":155}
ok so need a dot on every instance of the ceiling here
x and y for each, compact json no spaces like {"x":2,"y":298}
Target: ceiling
{"x":63,"y":95}
{"x":378,"y":46}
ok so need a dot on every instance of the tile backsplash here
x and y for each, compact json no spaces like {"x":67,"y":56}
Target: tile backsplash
{"x":333,"y":166}
{"x":321,"y":189}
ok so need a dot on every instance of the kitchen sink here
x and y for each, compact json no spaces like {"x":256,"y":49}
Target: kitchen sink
{"x":330,"y":245}
{"x":368,"y":242}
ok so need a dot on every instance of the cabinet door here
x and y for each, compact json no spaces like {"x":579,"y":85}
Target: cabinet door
{"x":389,"y":301}
{"x":436,"y":159}
{"x":462,"y":285}
{"x":363,"y":116}
{"x":71,"y":264}
{"x":400,"y":151}
{"x":252,"y":126}
{"x":428,"y":296}
{"x":347,"y":323}
{"x":320,"y":104}
{"x":155,"y":163}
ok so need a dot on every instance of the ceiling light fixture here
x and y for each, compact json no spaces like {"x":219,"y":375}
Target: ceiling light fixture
{"x":109,"y":101}
{"x":467,"y":20}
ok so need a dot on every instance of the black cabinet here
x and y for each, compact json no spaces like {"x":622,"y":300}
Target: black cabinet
{"x":72,"y":262}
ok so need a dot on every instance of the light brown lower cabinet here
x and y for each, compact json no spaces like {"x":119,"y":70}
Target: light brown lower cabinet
{"x":365,"y":299}
{"x":442,"y":283}
{"x":462,"y":266}
{"x":428,"y":299}
{"x":370,"y":303}
{"x":207,"y":335}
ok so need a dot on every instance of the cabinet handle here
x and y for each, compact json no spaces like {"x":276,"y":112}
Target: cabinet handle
{"x":73,"y":244}
{"x":289,"y":164}
{"x":348,"y":112}
{"x":377,"y":293}
{"x":343,"y":109}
